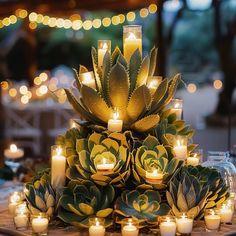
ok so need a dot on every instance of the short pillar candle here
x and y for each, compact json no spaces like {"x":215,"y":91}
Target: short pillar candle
{"x":96,"y":226}
{"x":180,"y":147}
{"x":115,"y":124}
{"x":177,"y":108}
{"x":129,"y":227}
{"x":103,"y":47}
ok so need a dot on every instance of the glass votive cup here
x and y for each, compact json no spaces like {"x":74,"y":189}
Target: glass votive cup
{"x":184,"y":224}
{"x":39,"y":224}
{"x":22,"y":208}
{"x":14,"y":199}
{"x":212,"y":220}
{"x":167,"y":226}
{"x":21,"y":220}
{"x":226,"y":213}
{"x":96,"y":226}
{"x":129,"y":227}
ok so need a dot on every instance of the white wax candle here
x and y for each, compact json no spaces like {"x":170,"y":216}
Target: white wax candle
{"x":184,"y":225}
{"x":58,"y":170}
{"x":13,"y":152}
{"x":130,"y":230}
{"x":131,"y":43}
{"x":168,"y":228}
{"x":101,"y":53}
{"x":193,"y":161}
{"x":226,"y":215}
{"x":154,"y":177}
{"x":97,"y":230}
{"x":12,"y":207}
{"x":115,"y":125}
{"x":180,"y":152}
{"x":212,"y":222}
{"x":105,"y":166}
{"x":21,"y":220}
{"x":39,"y":224}
{"x":178,"y":112}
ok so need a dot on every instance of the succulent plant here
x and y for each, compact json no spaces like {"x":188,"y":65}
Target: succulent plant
{"x":145,"y":207}
{"x":122,"y":86}
{"x":92,"y":151}
{"x":41,"y":196}
{"x":83,"y":200}
{"x":153,"y":156}
{"x":194,"y":189}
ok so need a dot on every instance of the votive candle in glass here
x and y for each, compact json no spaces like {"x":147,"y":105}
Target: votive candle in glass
{"x":226,"y":212}
{"x":184,"y":224}
{"x":96,"y":226}
{"x":129,"y":227}
{"x":15,"y":199}
{"x":115,"y":124}
{"x":177,"y":107}
{"x":21,"y":218}
{"x":103,"y":47}
{"x":180,"y":147}
{"x":167,"y":226}
{"x":132,"y":40}
{"x":39,"y":224}
{"x":212,"y":220}
{"x":154,"y":177}
{"x":88,"y":79}
{"x":193,"y":160}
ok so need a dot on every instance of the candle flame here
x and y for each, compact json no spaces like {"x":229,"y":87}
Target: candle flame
{"x":155,"y":172}
{"x":116,"y":115}
{"x":178,"y":143}
{"x":87,"y":77}
{"x":104,"y":160}
{"x":195,"y":155}
{"x":105,"y":46}
{"x":177,"y":105}
{"x":184,"y":216}
{"x":59,"y":151}
{"x":131,"y":36}
{"x":13,"y":148}
{"x":167,"y":219}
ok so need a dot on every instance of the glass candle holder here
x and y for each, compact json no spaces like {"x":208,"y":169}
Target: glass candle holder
{"x":153,"y":82}
{"x":176,"y":106}
{"x":167,"y":226}
{"x":21,"y":218}
{"x":96,"y":226}
{"x":14,"y":199}
{"x":39,"y":224}
{"x":180,"y":147}
{"x":103,"y":47}
{"x":129,"y":227}
{"x":132,"y":40}
{"x":193,"y":159}
{"x":212,"y":220}
{"x":226,"y":213}
{"x":21,"y":208}
{"x":88,"y":79}
{"x":184,"y":224}
{"x":115,"y":124}
{"x":154,"y":177}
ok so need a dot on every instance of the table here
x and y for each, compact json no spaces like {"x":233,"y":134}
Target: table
{"x":6,"y":222}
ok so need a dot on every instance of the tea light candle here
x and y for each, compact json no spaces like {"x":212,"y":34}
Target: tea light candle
{"x":13,"y":152}
{"x":226,"y":214}
{"x":132,"y":40}
{"x":88,"y":79}
{"x":184,"y":224}
{"x":97,"y":229}
{"x":180,"y":148}
{"x":115,"y":125}
{"x":39,"y":224}
{"x":176,"y":107}
{"x":193,"y":161}
{"x":103,"y":47}
{"x":212,"y":221}
{"x":154,"y":177}
{"x":104,"y":166}
{"x":168,"y":227}
{"x":130,"y":229}
{"x":21,"y":220}
{"x":58,"y":167}
{"x":14,"y":199}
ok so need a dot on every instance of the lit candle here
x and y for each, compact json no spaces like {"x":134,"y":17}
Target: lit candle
{"x":129,"y":228}
{"x":96,"y":227}
{"x":103,"y":47}
{"x":212,"y":221}
{"x":14,"y":200}
{"x":168,"y":227}
{"x":132,"y":40}
{"x":40,"y":224}
{"x":154,"y":177}
{"x":13,"y":152}
{"x":180,"y":147}
{"x":177,"y":107}
{"x":193,"y":161}
{"x":184,"y":224}
{"x":226,"y":213}
{"x":58,"y":167}
{"x":88,"y":79}
{"x":21,"y":220}
{"x":115,"y":125}
{"x":105,"y":166}
{"x":153,"y":82}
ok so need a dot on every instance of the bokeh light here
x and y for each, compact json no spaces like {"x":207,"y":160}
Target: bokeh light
{"x":192,"y":88}
{"x":217,"y":84}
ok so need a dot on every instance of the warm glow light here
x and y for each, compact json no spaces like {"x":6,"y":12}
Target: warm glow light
{"x":29,"y":94}
{"x":106,"y":21}
{"x":68,"y":24}
{"x":12,"y":19}
{"x":46,"y":20}
{"x":13,"y":148}
{"x":76,"y":25}
{"x":143,"y":12}
{"x":37,"y":81}
{"x":52,"y":87}
{"x":97,"y":23}
{"x":60,"y":22}
{"x":32,"y":25}
{"x":130,"y":16}
{"x":152,"y":8}
{"x":115,"y":20}
{"x":38,"y":93}
{"x":122,"y":18}
{"x":87,"y":25}
{"x":23,"y":89}
{"x":12,"y":92}
{"x":131,"y":36}
{"x":75,"y":17}
{"x":4,"y":85}
{"x":33,"y":16}
{"x":62,"y":99}
{"x":116,"y":115}
{"x":43,"y":76}
{"x":43,"y":89}
{"x":192,"y":88}
{"x":52,"y":22}
{"x":39,"y":18}
{"x":22,"y":13}
{"x":217,"y":84}
{"x":6,"y":21}
{"x":24,"y":99}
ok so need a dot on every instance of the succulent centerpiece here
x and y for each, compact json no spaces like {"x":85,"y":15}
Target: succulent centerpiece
{"x":122,"y":159}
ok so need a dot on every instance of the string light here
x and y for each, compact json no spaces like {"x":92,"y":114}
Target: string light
{"x":217,"y":84}
{"x":192,"y":88}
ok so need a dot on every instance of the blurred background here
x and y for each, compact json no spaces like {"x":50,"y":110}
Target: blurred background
{"x":41,"y":42}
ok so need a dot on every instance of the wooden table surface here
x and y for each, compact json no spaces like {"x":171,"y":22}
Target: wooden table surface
{"x":7,"y":226}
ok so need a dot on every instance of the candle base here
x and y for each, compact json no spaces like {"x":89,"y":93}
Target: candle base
{"x":40,"y":234}
{"x":180,"y":234}
{"x":154,"y":181}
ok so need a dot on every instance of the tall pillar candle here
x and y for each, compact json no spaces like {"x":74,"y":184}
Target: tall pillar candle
{"x":103,"y":47}
{"x":132,"y":40}
{"x":177,"y":108}
{"x":58,"y":168}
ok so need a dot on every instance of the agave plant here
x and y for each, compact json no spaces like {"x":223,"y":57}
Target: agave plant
{"x":153,"y":156}
{"x":41,"y":196}
{"x":91,"y":152}
{"x":195,"y":189}
{"x":145,"y":207}
{"x":122,"y":86}
{"x":83,"y":200}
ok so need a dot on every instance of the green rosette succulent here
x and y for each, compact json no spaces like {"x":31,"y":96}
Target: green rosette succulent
{"x":91,"y":151}
{"x":194,"y":189}
{"x":146,"y":206}
{"x":80,"y":201}
{"x":153,"y":156}
{"x":123,"y":86}
{"x":41,"y":196}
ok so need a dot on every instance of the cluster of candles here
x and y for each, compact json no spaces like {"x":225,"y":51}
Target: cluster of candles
{"x":21,"y":216}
